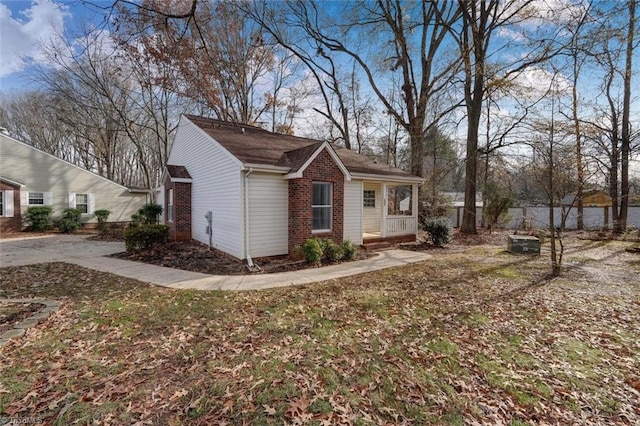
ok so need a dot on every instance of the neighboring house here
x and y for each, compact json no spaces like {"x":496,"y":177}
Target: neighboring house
{"x":253,"y":193}
{"x":30,"y":177}
{"x":456,"y":199}
{"x":593,"y":198}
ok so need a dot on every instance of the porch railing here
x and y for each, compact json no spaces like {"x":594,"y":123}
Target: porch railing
{"x":401,"y":225}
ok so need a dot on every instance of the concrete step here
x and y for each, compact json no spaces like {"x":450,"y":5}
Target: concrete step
{"x":377,"y":246}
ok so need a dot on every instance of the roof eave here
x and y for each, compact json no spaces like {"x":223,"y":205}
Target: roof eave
{"x":325,"y":145}
{"x":388,"y":178}
{"x":268,"y":168}
{"x":12,"y":182}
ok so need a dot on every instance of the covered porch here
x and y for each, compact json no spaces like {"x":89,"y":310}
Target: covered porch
{"x":389,"y":211}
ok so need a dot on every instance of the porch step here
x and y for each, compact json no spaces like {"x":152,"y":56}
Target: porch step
{"x":377,"y":246}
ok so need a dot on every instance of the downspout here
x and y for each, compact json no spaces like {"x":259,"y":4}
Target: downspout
{"x":246,"y":217}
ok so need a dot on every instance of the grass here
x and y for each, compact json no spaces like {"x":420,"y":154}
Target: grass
{"x":473,"y":336}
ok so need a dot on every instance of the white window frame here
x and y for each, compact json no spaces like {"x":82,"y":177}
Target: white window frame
{"x":170,"y":205}
{"x":316,"y":207}
{"x":91,"y":201}
{"x":86,"y":203}
{"x":369,"y":195}
{"x":7,"y":203}
{"x":32,"y":197}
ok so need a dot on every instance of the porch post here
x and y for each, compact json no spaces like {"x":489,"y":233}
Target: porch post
{"x":414,"y":208}
{"x":385,"y":196}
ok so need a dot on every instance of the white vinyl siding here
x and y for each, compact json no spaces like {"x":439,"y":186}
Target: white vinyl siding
{"x":372,"y":217}
{"x":56,"y":179}
{"x":268,"y":215}
{"x":216,"y":187}
{"x":353,"y":211}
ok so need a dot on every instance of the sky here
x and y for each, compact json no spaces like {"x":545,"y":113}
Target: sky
{"x":26,"y":24}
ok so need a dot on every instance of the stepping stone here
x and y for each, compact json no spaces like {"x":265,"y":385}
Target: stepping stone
{"x":27,"y":323}
{"x":15,"y":332}
{"x":41,"y":316}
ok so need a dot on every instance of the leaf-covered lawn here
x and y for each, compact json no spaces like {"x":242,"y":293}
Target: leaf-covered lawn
{"x":473,"y":335}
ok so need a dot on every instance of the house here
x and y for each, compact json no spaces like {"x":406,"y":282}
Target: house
{"x":252,"y":193}
{"x":456,"y":199}
{"x":31,"y":177}
{"x":592,"y":198}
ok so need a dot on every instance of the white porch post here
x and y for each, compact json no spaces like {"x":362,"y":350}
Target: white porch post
{"x":385,"y":196}
{"x":414,"y":207}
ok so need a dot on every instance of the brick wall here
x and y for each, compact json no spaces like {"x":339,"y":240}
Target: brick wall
{"x":322,"y":169}
{"x":180,"y":226}
{"x":11,"y":224}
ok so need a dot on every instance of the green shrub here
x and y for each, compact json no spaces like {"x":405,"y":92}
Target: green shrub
{"x":39,"y":218}
{"x":439,"y":229}
{"x":349,"y":249}
{"x":102,"y":216}
{"x":333,"y":252}
{"x":149,"y":213}
{"x":144,"y":237}
{"x":312,"y":250}
{"x":318,"y":250}
{"x":70,"y":221}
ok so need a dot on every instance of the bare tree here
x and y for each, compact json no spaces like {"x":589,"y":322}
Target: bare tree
{"x":612,"y":131}
{"x":386,"y":37}
{"x":481,"y":21}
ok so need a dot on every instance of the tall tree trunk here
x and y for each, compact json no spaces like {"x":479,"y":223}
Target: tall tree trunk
{"x":625,"y":145}
{"x":416,"y":136}
{"x":555,"y":264}
{"x":613,"y":185}
{"x":576,"y":128}
{"x":471,"y":172}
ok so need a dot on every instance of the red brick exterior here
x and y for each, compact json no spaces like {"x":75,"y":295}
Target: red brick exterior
{"x":180,"y":226}
{"x":322,"y":169}
{"x":11,"y":224}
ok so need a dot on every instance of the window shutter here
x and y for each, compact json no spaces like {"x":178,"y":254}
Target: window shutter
{"x":72,"y":200}
{"x":48,"y":198}
{"x":8,"y":203}
{"x":91,"y":201}
{"x":24,"y":198}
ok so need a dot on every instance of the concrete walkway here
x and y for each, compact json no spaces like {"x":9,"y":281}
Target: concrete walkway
{"x":78,"y":250}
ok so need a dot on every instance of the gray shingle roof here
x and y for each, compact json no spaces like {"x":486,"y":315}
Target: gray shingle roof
{"x":179,"y":172}
{"x":252,"y":145}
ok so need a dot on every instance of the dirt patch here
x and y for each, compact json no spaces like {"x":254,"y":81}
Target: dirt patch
{"x":13,"y":313}
{"x":195,"y":257}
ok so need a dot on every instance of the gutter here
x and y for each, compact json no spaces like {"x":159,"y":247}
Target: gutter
{"x":388,"y":178}
{"x":250,"y":264}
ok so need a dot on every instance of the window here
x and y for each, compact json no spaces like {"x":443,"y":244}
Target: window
{"x":1,"y":203}
{"x":321,"y":205}
{"x":170,"y":205}
{"x":36,"y":198}
{"x":369,"y":198}
{"x":82,"y":203}
{"x":400,"y":202}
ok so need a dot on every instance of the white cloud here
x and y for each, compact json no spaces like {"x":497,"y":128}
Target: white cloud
{"x":21,"y":37}
{"x":535,"y":82}
{"x":541,"y":12}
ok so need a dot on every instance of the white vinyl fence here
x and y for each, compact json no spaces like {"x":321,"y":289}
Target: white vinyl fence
{"x":538,"y":217}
